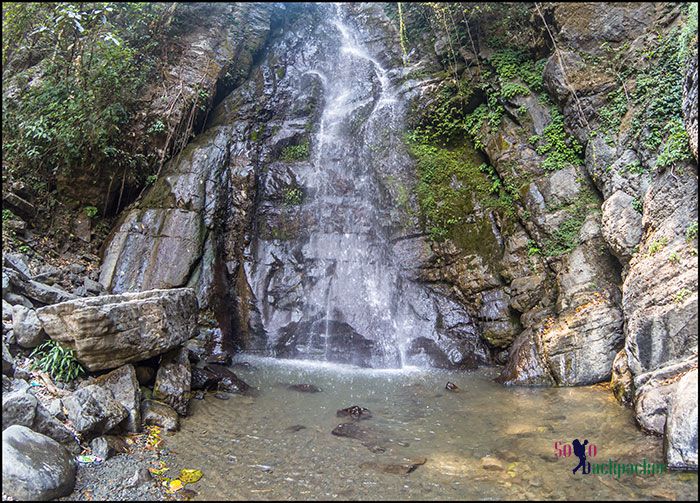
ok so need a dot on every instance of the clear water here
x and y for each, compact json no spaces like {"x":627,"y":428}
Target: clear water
{"x":246,"y":449}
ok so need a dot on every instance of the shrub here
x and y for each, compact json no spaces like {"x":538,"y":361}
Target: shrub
{"x":59,"y":362}
{"x":295,"y":152}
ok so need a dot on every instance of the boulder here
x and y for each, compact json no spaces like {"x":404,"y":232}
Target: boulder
{"x":229,"y":382}
{"x":26,"y":327}
{"x":124,"y":386}
{"x":203,"y":379}
{"x":173,"y":380}
{"x":356,"y":412}
{"x":107,"y":446}
{"x":35,"y":467}
{"x":621,"y":383}
{"x":93,"y":410}
{"x":112,"y":330}
{"x":159,"y":414}
{"x":654,"y":391}
{"x":622,"y":224}
{"x":681,"y":438}
{"x":18,"y":408}
{"x":8,"y":362}
{"x":39,"y":292}
{"x":46,"y":423}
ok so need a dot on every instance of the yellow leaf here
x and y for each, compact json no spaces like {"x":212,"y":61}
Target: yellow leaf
{"x":158,"y":471}
{"x":190,"y":476}
{"x":175,"y":485}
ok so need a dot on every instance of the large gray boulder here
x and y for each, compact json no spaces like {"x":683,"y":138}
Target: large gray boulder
{"x":173,"y":380}
{"x":18,"y":408}
{"x":93,"y":410}
{"x":35,"y":467}
{"x":112,"y":330}
{"x":124,"y":386}
{"x":26,"y":327}
{"x":681,"y":439}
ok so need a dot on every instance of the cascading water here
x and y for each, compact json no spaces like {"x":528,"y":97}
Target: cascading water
{"x":333,"y":288}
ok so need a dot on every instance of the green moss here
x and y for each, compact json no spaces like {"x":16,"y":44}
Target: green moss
{"x":450,"y":181}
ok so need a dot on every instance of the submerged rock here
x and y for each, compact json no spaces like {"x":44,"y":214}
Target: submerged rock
{"x":304,"y":388}
{"x":35,"y":467}
{"x":203,"y":379}
{"x":228,"y":381}
{"x":112,"y":330}
{"x":355,"y":412}
{"x":395,"y":468}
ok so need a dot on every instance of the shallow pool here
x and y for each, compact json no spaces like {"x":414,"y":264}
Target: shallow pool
{"x":482,"y":442}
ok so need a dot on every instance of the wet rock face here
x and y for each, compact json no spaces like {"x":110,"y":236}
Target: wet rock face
{"x":227,"y":380}
{"x":112,"y":330}
{"x":681,"y":439}
{"x":34,"y":466}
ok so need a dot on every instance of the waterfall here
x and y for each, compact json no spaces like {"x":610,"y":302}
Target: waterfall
{"x":333,"y":289}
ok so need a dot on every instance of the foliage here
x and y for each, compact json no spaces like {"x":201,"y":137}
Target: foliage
{"x":560,"y":149}
{"x":657,"y":245}
{"x":76,"y":70}
{"x":674,"y":258}
{"x":7,"y":215}
{"x":59,"y":362}
{"x":681,"y":295}
{"x":691,"y":232}
{"x":566,"y":237}
{"x":443,"y":121}
{"x":675,"y":147}
{"x":295,"y":152}
{"x":637,"y":205}
{"x":532,"y":248}
{"x":293,"y":196}
{"x":658,"y":96}
{"x":90,"y":211}
{"x":156,"y":128}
